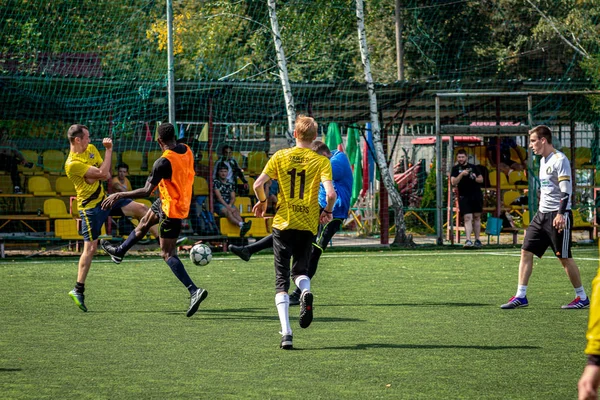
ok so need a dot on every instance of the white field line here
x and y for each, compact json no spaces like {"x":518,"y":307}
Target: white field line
{"x":432,"y":253}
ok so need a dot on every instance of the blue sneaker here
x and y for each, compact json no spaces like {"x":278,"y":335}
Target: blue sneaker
{"x":515,"y":302}
{"x":577,"y":303}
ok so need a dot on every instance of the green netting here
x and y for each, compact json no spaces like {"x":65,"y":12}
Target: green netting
{"x":104,"y":64}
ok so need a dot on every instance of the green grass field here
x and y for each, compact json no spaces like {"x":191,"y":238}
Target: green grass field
{"x":397,"y":325}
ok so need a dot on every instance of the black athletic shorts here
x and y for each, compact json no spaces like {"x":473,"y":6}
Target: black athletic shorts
{"x":470,"y":204}
{"x":168,"y":228}
{"x":288,"y":244}
{"x":540,"y":234}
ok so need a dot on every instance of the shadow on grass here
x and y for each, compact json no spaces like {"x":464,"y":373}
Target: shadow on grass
{"x":421,"y":304}
{"x":365,"y":346}
{"x":11,"y":369}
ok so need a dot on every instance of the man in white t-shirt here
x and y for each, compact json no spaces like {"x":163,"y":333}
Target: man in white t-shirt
{"x":551,"y":225}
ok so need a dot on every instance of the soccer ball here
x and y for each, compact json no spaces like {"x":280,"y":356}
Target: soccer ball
{"x":200,"y":255}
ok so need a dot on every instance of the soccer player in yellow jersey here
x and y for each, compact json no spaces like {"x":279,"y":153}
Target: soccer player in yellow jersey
{"x":299,"y":171}
{"x":590,"y":379}
{"x":86,"y":169}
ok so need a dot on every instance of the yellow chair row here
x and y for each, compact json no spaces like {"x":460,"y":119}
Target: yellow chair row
{"x":40,"y":186}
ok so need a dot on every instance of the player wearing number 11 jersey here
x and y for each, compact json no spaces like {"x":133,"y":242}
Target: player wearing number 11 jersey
{"x":299,"y":171}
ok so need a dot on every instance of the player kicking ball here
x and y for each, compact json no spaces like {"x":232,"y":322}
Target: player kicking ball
{"x":173,"y":173}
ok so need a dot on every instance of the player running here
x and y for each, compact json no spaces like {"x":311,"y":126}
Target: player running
{"x":342,"y":183}
{"x":299,"y":171}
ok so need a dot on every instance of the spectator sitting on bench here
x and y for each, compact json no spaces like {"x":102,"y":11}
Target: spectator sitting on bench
{"x":10,"y":158}
{"x":224,"y":200}
{"x":120,"y":183}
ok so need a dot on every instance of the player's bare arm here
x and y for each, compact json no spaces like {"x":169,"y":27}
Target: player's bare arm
{"x":140,"y":193}
{"x":588,"y":383}
{"x":331,"y":196}
{"x":259,"y":190}
{"x":94,"y":174}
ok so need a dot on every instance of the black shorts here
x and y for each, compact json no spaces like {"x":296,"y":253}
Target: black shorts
{"x":287,"y":244}
{"x":168,"y":228}
{"x":470,"y":204}
{"x":541,"y":234}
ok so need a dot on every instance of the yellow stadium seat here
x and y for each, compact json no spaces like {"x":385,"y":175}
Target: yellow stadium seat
{"x":518,"y":153}
{"x":480,"y":155}
{"x":33,"y":157}
{"x":517,"y":176}
{"x":74,"y":210}
{"x":153,"y":155}
{"x":204,"y":157}
{"x":200,"y":186}
{"x":503,"y":180}
{"x":256,"y":162}
{"x":40,"y":186}
{"x":509,"y":197}
{"x":526,"y":218}
{"x":239,"y":158}
{"x":134,"y":159}
{"x":228,"y":229}
{"x":53,"y":162}
{"x":56,"y":208}
{"x":64,"y":186}
{"x":246,"y":205}
{"x":259,"y":227}
{"x":67,"y":229}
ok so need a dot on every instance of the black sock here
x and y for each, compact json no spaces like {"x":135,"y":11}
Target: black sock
{"x":131,"y":240}
{"x":179,"y":270}
{"x":264,"y":243}
{"x":80,"y":287}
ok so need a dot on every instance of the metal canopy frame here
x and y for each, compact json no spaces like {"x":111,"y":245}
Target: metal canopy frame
{"x":485,"y":131}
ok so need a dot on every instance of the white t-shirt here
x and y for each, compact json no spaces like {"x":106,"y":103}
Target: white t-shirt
{"x":553,"y":169}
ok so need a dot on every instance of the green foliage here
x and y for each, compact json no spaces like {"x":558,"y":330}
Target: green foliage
{"x":437,"y":312}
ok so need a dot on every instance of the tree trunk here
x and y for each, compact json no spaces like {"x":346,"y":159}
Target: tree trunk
{"x":401,"y":237}
{"x":283,"y":73}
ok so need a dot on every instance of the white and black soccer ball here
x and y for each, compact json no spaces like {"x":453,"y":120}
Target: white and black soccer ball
{"x":201,"y":254}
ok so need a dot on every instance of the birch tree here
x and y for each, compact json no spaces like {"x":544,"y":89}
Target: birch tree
{"x":283,"y":73}
{"x":401,"y":237}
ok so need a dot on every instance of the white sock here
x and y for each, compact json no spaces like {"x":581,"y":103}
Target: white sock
{"x":580,"y":291}
{"x":240,"y":224}
{"x":282,"y":301}
{"x":521,"y":291}
{"x":303,"y":283}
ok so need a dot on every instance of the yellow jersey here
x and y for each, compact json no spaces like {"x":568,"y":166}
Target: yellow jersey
{"x":299,"y":172}
{"x":76,"y":166}
{"x":593,"y":331}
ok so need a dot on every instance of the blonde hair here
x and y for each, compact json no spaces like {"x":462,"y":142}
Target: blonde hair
{"x":306,"y":128}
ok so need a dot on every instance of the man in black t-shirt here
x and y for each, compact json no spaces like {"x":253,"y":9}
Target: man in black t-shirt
{"x":467,"y":178}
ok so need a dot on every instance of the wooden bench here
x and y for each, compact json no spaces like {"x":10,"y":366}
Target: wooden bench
{"x":22,"y":218}
{"x":588,"y":228}
{"x":24,"y":239}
